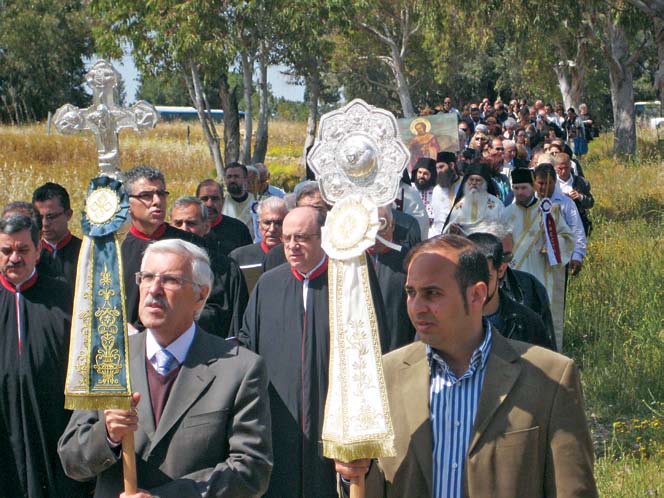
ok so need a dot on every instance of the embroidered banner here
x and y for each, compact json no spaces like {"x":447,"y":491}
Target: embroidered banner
{"x":357,"y":421}
{"x":98,"y":370}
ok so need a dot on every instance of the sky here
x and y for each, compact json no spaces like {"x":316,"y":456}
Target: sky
{"x":279,"y":83}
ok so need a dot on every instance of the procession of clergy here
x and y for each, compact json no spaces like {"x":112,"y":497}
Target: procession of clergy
{"x":231,"y":368}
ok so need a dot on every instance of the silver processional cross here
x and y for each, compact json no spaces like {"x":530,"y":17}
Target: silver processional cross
{"x":104,"y":118}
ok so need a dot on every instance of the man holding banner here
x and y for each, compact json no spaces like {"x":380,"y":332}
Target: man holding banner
{"x":475,"y":414}
{"x":200,"y":408}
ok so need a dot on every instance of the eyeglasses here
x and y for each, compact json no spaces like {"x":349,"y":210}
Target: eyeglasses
{"x":148,"y":195}
{"x":507,"y":257}
{"x":213,"y":198}
{"x":298,"y":238}
{"x":498,"y":148}
{"x":168,"y":281}
{"x":276,"y":223}
{"x":51,"y":216}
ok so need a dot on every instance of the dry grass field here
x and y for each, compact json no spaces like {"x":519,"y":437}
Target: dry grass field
{"x":614,"y":325}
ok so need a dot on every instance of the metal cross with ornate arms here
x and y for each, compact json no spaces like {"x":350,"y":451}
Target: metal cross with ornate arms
{"x":104,"y":117}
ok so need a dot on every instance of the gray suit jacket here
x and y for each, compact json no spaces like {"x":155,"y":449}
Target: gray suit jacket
{"x":213,"y":438}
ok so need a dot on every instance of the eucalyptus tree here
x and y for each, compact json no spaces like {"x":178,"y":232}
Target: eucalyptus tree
{"x":305,"y":31}
{"x":198,"y":39}
{"x":655,"y":10}
{"x":624,"y":34}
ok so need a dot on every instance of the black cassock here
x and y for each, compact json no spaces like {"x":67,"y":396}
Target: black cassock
{"x":295,"y":346}
{"x":250,"y":255}
{"x":228,"y":233}
{"x":391,"y":280}
{"x":61,"y":262}
{"x":223,"y":311}
{"x":32,"y":379}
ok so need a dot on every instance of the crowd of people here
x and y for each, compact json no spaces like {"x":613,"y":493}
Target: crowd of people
{"x":231,"y":373}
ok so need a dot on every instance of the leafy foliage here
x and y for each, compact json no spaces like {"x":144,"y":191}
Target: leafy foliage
{"x":42,"y":45}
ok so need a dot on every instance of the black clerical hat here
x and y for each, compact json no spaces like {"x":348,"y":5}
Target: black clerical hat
{"x":522,"y":175}
{"x":446,"y":157}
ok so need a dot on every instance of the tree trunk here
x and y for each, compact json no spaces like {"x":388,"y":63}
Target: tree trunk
{"x":621,"y":78}
{"x":313,"y":91}
{"x":570,"y":80}
{"x":247,"y":79}
{"x":658,"y":24}
{"x":260,"y":146}
{"x":402,"y":83}
{"x":228,"y":98}
{"x":197,"y":95}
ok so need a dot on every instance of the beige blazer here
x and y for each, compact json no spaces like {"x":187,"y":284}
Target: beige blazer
{"x":530,"y":437}
{"x":213,"y":438}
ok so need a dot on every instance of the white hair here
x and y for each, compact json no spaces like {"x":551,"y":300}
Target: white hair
{"x":482,"y":128}
{"x":495,"y":228}
{"x":510,"y":143}
{"x":272,"y":204}
{"x":510,"y":123}
{"x":201,"y":272}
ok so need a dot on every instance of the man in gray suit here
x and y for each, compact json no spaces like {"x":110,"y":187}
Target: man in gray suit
{"x":200,"y":411}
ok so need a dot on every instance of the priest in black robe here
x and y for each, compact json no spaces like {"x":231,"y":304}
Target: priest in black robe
{"x":271,"y":213}
{"x":287,"y":323}
{"x":389,"y":265}
{"x":223,"y":311}
{"x":147,"y":205}
{"x":226,"y":233}
{"x":60,"y":247}
{"x":35,"y":313}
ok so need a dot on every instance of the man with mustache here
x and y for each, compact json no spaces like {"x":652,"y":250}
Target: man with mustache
{"x":226,"y":232}
{"x":34,"y":340}
{"x":423,"y":177}
{"x":479,"y":202}
{"x":448,"y":182}
{"x":199,"y":413}
{"x":223,"y":311}
{"x":239,"y":201}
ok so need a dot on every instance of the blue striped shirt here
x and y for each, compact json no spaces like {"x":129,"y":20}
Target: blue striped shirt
{"x":452,"y":408}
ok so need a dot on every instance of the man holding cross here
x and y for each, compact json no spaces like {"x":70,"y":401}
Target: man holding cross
{"x":200,"y":407}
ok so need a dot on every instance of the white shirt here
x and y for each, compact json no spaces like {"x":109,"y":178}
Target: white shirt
{"x":305,"y":283}
{"x":442,"y":203}
{"x":571,"y":214}
{"x":413,"y":205}
{"x":178,"y":348}
{"x":566,"y":186}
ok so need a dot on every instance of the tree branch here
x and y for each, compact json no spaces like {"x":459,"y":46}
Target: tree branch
{"x":381,"y":36}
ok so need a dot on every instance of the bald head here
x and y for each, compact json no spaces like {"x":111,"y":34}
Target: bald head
{"x":301,"y":238}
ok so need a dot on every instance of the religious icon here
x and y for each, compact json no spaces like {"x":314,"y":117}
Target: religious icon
{"x":427,"y":136}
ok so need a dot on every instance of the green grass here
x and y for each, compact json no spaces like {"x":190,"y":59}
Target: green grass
{"x":614,"y":326}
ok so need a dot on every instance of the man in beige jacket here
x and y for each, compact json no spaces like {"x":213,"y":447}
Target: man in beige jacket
{"x":475,"y":414}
